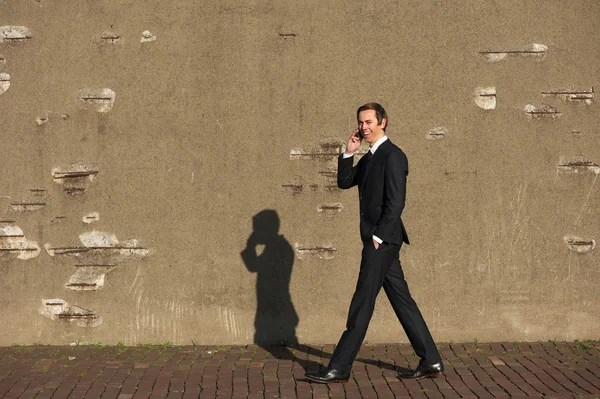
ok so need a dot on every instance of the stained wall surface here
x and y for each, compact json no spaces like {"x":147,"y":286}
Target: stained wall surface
{"x":168,"y":168}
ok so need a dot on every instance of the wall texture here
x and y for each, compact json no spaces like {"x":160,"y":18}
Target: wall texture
{"x":168,"y":168}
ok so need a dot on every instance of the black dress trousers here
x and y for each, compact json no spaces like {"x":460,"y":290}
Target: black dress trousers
{"x":381,"y":268}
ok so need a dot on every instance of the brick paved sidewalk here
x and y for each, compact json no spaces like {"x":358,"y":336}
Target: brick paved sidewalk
{"x":561,"y":369}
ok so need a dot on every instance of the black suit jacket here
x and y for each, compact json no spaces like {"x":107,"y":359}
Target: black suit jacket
{"x":381,"y":183}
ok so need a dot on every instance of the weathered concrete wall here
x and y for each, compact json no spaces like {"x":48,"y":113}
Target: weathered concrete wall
{"x":139,"y":141}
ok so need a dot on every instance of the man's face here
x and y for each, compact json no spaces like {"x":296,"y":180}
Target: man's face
{"x":369,"y":129}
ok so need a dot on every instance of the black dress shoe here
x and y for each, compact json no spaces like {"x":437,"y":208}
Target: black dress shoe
{"x":327,"y":375}
{"x":424,"y":371}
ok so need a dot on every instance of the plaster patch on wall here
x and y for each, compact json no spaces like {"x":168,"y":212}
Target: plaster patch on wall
{"x":295,"y":187}
{"x":45,"y":118}
{"x":578,"y":244}
{"x":91,"y":217}
{"x":246,"y":10}
{"x":543,"y":111}
{"x":89,"y":277}
{"x":328,"y":149}
{"x":101,"y":99}
{"x":14,"y":34}
{"x":536,"y":50}
{"x":101,"y":252}
{"x":298,"y":187}
{"x":329,"y":174}
{"x":103,"y":246}
{"x":14,"y":244}
{"x":330,"y":209}
{"x":11,"y":231}
{"x":571,"y":94}
{"x":287,"y":35}
{"x":40,"y":120}
{"x":98,"y":239}
{"x":76,"y":177}
{"x":4,"y":82}
{"x":326,"y":251}
{"x":60,"y":310}
{"x":485,"y":97}
{"x":37,"y":192}
{"x":27,"y":206}
{"x":577,"y":164}
{"x":147,"y":36}
{"x":437,"y":133}
{"x":576,"y":133}
{"x":110,"y":36}
{"x":33,"y":204}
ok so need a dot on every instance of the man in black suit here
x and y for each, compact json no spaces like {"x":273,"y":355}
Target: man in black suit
{"x":381,"y":179}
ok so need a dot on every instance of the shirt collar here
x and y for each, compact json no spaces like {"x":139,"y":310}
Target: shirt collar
{"x":375,"y":146}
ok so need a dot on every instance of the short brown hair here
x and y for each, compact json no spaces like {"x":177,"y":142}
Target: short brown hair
{"x":379,"y":112}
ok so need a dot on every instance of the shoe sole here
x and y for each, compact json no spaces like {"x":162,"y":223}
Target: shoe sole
{"x":326,"y":382}
{"x":424,"y":376}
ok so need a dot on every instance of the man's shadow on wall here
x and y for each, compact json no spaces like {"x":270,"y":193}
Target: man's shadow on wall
{"x":271,"y":257}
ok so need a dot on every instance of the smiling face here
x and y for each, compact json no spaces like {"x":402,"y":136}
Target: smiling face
{"x":369,"y":128}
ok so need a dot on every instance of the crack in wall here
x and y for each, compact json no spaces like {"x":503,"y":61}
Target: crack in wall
{"x":535,"y":51}
{"x":34,"y":203}
{"x":76,"y":177}
{"x":577,"y":164}
{"x":100,"y":99}
{"x":570,"y":94}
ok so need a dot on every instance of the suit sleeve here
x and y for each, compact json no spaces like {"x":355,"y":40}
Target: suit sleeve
{"x":396,"y":170}
{"x":346,"y":176}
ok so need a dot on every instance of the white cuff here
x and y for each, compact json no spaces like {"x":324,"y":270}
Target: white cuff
{"x":344,"y":155}
{"x":379,"y":240}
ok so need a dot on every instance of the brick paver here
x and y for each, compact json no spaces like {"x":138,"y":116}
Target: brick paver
{"x":473,"y":370}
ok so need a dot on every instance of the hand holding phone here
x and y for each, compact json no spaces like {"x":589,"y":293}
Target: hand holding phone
{"x":354,"y":142}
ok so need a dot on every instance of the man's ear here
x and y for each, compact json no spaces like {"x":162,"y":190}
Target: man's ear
{"x":383,"y":123}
